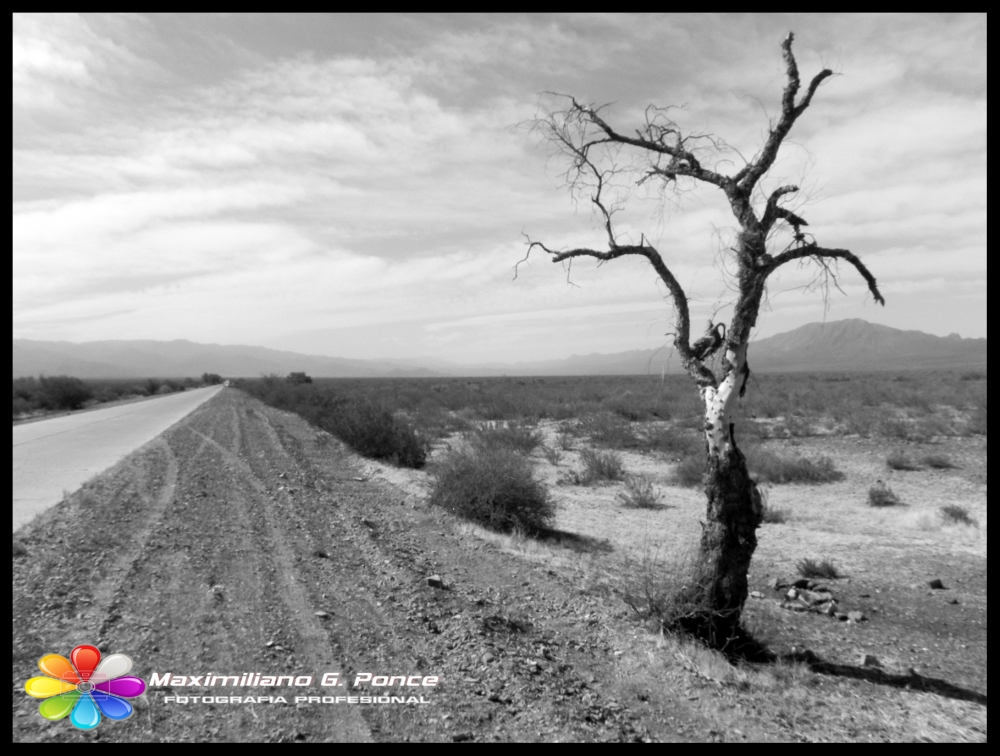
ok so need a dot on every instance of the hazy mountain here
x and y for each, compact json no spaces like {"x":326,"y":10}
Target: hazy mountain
{"x":859,"y":345}
{"x":842,"y":345}
{"x":138,"y":359}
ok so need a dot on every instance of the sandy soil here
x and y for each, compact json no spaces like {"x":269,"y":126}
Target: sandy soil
{"x":214,"y":547}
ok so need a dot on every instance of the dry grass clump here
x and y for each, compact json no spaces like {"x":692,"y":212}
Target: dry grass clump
{"x":880,"y":495}
{"x":518,"y":436}
{"x":770,"y":467}
{"x":608,"y":430}
{"x":689,"y":471}
{"x":552,"y":454}
{"x":494,"y":486}
{"x":938,"y":461}
{"x":775,"y":515}
{"x":597,"y":466}
{"x":811,"y":568}
{"x":957,"y":515}
{"x":639,"y":493}
{"x":899,"y":460}
{"x":677,"y":443}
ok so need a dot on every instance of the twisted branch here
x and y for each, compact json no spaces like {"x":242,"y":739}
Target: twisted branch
{"x":820,"y":254}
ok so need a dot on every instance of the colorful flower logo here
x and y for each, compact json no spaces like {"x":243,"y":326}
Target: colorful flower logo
{"x":85,"y":686}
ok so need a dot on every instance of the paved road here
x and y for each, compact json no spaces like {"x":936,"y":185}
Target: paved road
{"x":56,"y":457}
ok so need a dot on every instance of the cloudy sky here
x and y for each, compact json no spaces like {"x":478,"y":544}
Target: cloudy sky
{"x":359,"y":186}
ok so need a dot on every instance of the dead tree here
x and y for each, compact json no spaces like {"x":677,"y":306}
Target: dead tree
{"x":597,"y":153}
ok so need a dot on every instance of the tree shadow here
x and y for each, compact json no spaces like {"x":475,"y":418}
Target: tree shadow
{"x":881,"y":677}
{"x":573,"y":541}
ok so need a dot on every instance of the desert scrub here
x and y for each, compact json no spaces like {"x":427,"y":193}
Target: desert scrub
{"x":812,"y":568}
{"x":772,"y":468}
{"x":769,"y":514}
{"x":954,"y":514}
{"x":938,"y":461}
{"x":512,"y":435}
{"x":552,"y":454}
{"x":608,"y":430}
{"x":372,"y":431}
{"x":900,"y":461}
{"x":639,"y":493}
{"x":493,"y":486}
{"x":690,"y":471}
{"x":880,"y":495}
{"x":676,"y":443}
{"x":600,"y":465}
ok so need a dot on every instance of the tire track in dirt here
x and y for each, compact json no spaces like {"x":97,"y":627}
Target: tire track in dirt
{"x":268,"y":522}
{"x":203,"y":581}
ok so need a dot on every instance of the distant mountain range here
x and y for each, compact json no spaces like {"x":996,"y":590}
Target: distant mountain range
{"x":844,"y":345}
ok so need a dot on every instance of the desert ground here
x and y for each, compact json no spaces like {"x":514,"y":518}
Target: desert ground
{"x":245,"y":538}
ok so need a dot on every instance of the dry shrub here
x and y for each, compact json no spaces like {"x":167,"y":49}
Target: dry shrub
{"x":608,"y":430}
{"x":770,"y":467}
{"x":494,"y":486}
{"x":598,"y":466}
{"x":371,"y":430}
{"x":898,"y":460}
{"x":676,"y":596}
{"x":513,"y":435}
{"x":639,"y":493}
{"x":957,"y":515}
{"x":938,"y":461}
{"x":689,"y":472}
{"x":811,"y":568}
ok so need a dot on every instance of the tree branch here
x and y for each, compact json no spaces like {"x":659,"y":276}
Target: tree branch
{"x":821,"y":253}
{"x":683,"y":162}
{"x":751,"y":173}
{"x":692,"y":363}
{"x":771,"y":211}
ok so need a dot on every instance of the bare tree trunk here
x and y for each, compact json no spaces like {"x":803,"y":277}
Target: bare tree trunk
{"x":733,"y":512}
{"x":712,"y":604}
{"x":728,"y":541}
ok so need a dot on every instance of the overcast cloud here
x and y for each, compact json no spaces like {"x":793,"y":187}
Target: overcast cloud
{"x":358,"y":186}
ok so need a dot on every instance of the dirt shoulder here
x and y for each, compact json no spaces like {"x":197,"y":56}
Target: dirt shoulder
{"x":242,"y":540}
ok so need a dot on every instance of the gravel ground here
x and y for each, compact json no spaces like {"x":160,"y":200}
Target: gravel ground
{"x":245,"y":540}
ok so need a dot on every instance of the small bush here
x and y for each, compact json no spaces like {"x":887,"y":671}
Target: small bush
{"x":511,"y":435}
{"x":775,"y":515}
{"x":639,"y":493}
{"x":773,"y":468}
{"x":372,"y":430}
{"x":608,"y":430}
{"x":938,"y":461}
{"x":603,"y":465}
{"x":298,"y":378}
{"x":552,"y":454}
{"x":689,"y":472}
{"x":880,"y":495}
{"x":955,"y":514}
{"x":676,"y":443}
{"x":63,"y":392}
{"x":565,"y":439}
{"x":494,"y":487}
{"x":810,"y":568}
{"x":23,"y":406}
{"x":676,"y":595}
{"x":898,"y":460}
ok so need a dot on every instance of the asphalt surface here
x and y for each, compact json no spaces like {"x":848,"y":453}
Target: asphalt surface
{"x":55,"y":457}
